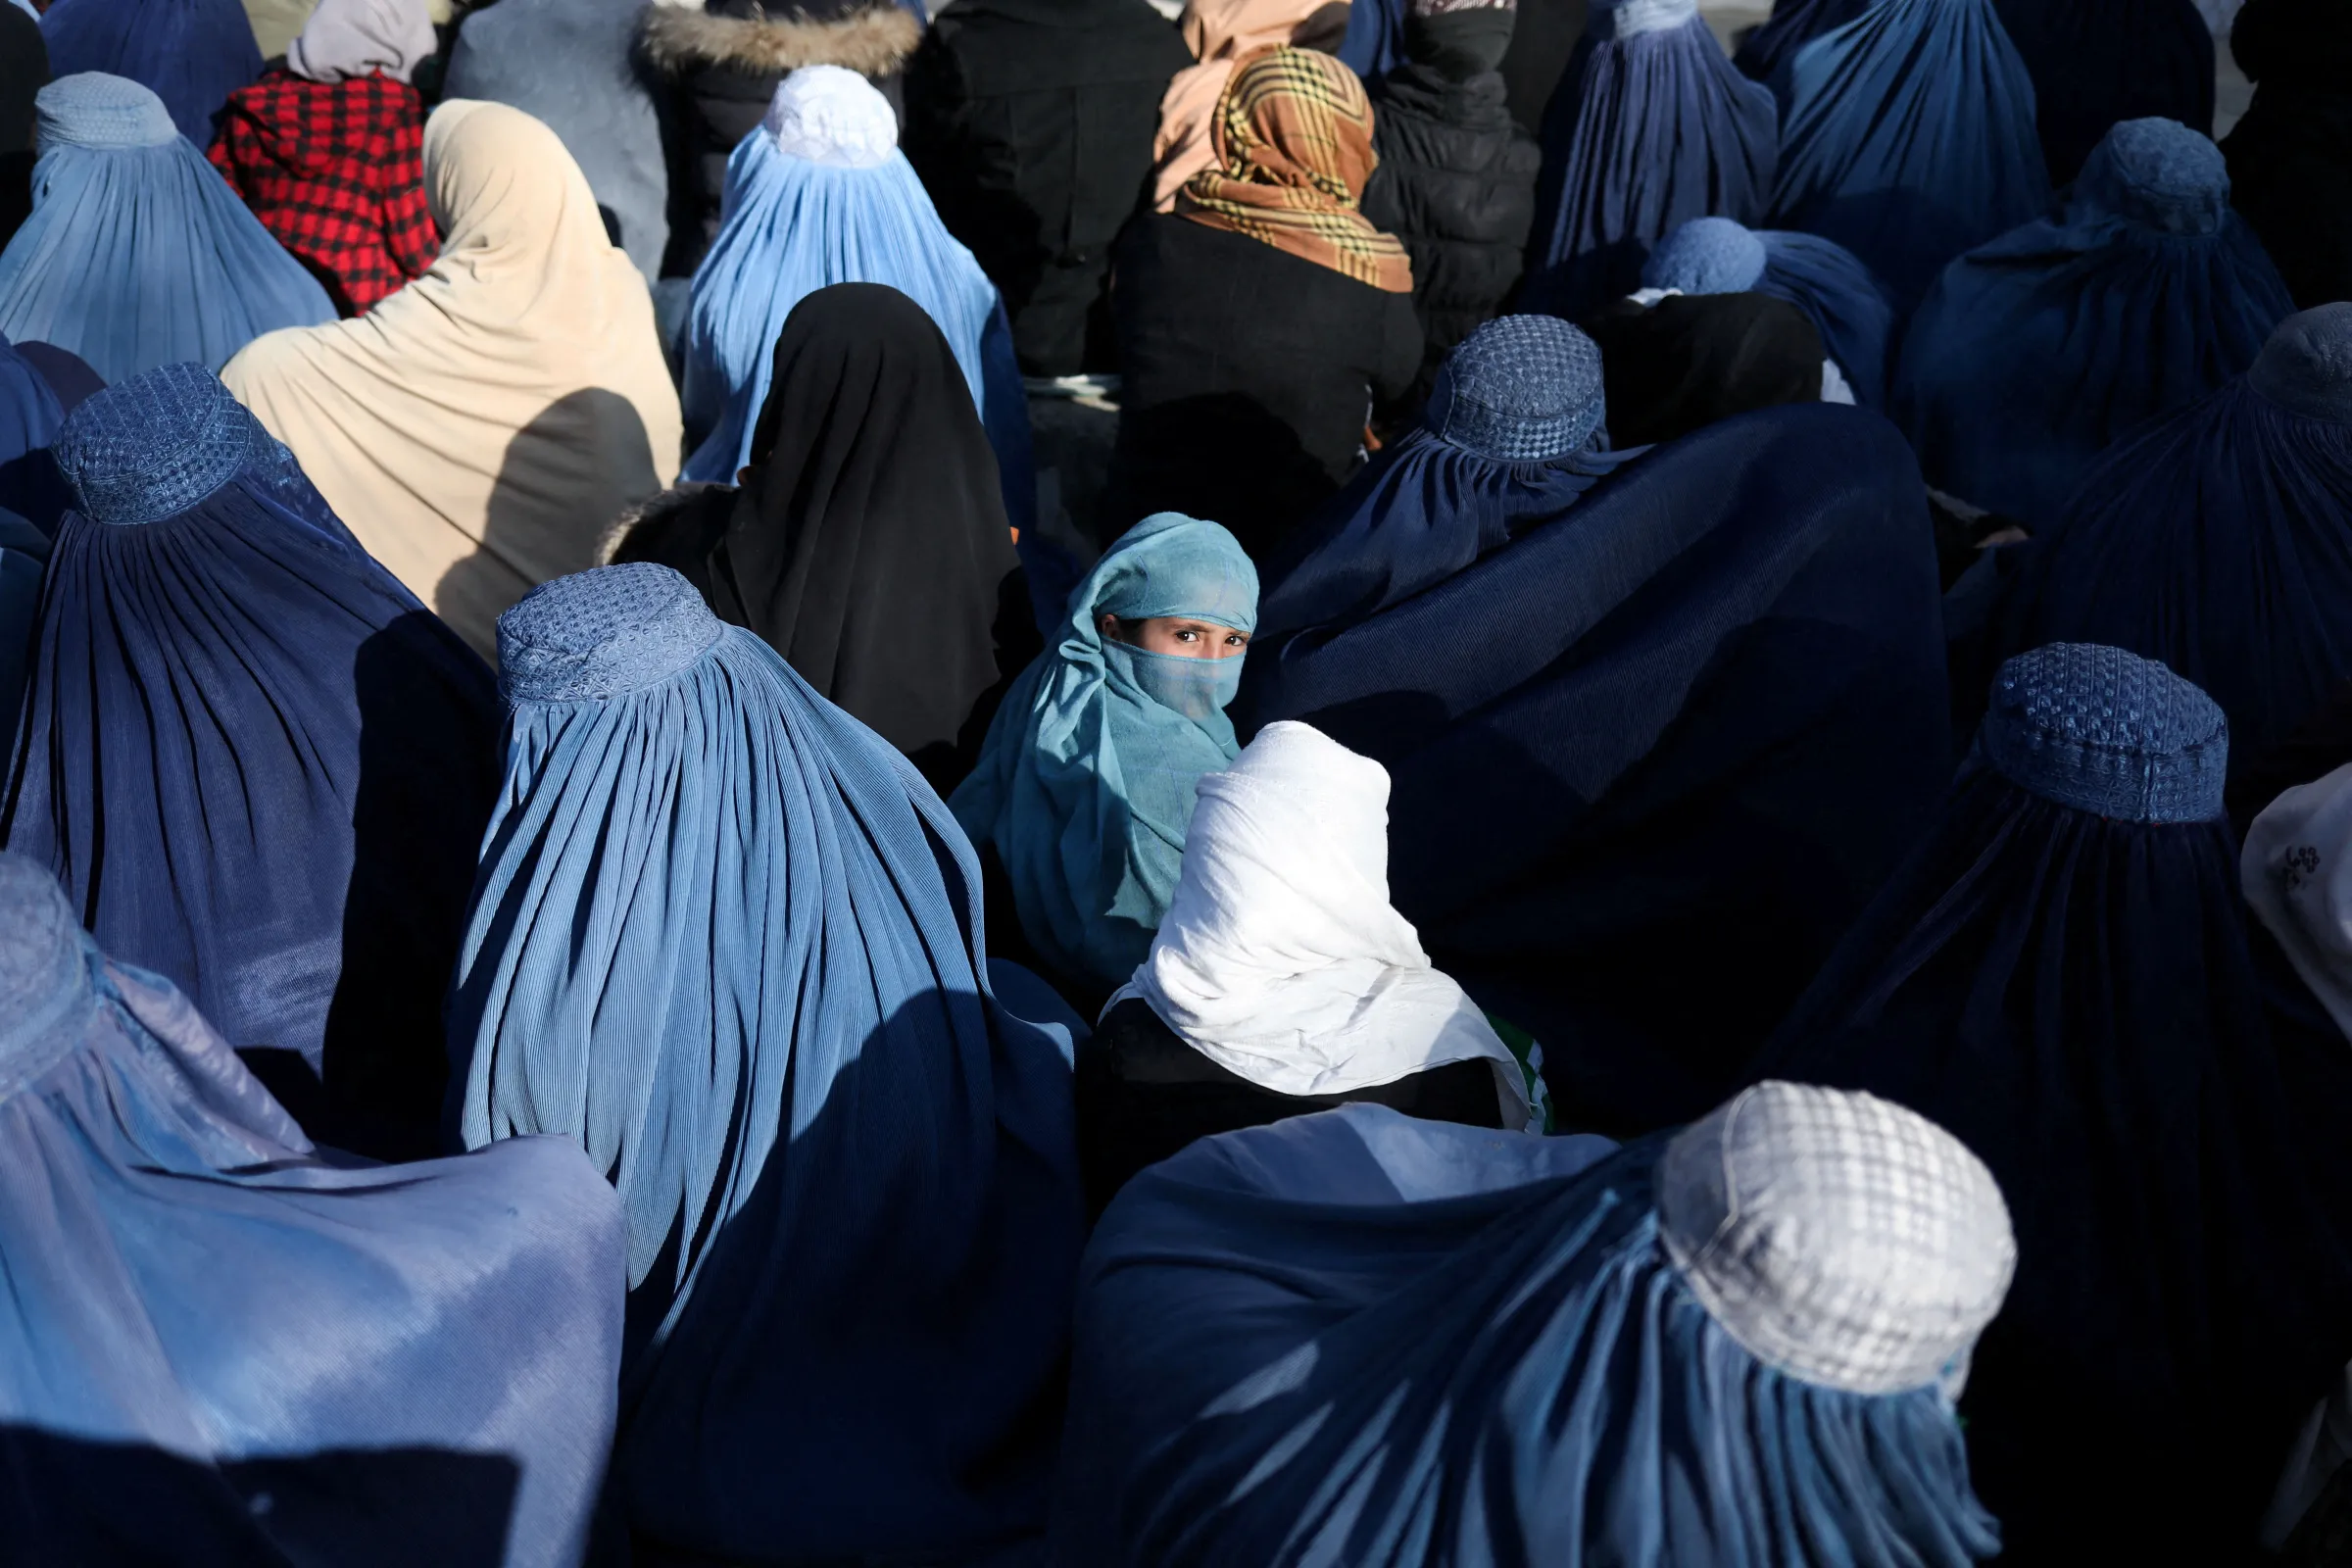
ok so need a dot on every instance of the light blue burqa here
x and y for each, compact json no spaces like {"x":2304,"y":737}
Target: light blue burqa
{"x":137,"y":253}
{"x":1086,"y":781}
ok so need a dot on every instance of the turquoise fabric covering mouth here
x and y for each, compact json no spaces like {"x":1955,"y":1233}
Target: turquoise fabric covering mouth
{"x":1085,"y":783}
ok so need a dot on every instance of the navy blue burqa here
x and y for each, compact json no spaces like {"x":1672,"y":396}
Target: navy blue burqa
{"x":193,"y":54}
{"x":727,"y":940}
{"x":1907,"y":136}
{"x":2218,"y":541}
{"x":1794,"y":24}
{"x":259,"y":766}
{"x":1707,"y":698}
{"x":2098,"y":63}
{"x":1649,"y":128}
{"x":2139,"y":295}
{"x":219,"y":1351}
{"x":2060,"y":976}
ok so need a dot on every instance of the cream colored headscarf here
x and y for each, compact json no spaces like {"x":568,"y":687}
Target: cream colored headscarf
{"x":479,"y":429}
{"x":1219,"y":33}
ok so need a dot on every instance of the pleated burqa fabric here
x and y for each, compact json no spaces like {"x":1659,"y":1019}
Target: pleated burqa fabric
{"x":259,"y":767}
{"x":1792,"y":25}
{"x":483,"y":427}
{"x":1649,"y":128}
{"x":728,"y":941}
{"x":2059,"y":975}
{"x":869,"y":506}
{"x":2139,"y":295}
{"x":222,"y":1350}
{"x":2098,"y":63}
{"x":137,"y":253}
{"x":193,"y":54}
{"x":1363,"y":1338}
{"x":1709,"y":697}
{"x":1845,"y":304}
{"x":1907,"y":135}
{"x":2218,"y":541}
{"x":820,"y":194}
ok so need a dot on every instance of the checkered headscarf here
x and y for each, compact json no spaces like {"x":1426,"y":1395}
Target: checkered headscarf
{"x":1292,"y":138}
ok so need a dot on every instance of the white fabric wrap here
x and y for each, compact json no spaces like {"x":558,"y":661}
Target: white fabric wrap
{"x":2297,"y":871}
{"x":827,"y":115}
{"x":1280,"y":958}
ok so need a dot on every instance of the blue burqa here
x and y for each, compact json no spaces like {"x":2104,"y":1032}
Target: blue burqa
{"x":1649,"y":128}
{"x":1359,"y":1337}
{"x":1086,"y":781}
{"x":2098,"y":63}
{"x":727,"y":940}
{"x":1709,"y":697}
{"x":259,"y":765}
{"x":2138,"y":295}
{"x":1793,"y":24}
{"x":218,"y":1350}
{"x":2218,"y":540}
{"x":791,"y":225}
{"x":137,"y":253}
{"x":1846,"y":306}
{"x":1907,"y":136}
{"x":193,"y":54}
{"x":2059,"y":975}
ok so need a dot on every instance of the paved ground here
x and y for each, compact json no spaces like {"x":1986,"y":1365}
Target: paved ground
{"x":2232,"y":89}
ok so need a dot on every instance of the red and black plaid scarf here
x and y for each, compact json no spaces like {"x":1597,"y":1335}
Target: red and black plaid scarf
{"x":336,"y":171}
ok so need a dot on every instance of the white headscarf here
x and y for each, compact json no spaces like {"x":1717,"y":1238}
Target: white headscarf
{"x":1280,"y":958}
{"x":346,"y":38}
{"x":2296,"y":872}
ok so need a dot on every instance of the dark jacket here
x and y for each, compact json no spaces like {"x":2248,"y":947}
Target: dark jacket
{"x":722,"y":64}
{"x":1456,"y":180}
{"x":1250,"y":375}
{"x":1031,"y":122}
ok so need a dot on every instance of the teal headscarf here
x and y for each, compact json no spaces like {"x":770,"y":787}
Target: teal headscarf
{"x":1086,"y":781}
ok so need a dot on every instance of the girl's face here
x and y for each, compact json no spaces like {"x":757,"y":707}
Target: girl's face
{"x":1178,"y":635}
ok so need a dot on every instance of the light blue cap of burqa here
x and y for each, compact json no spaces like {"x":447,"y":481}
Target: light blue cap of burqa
{"x":1085,"y":783}
{"x":2107,"y":732}
{"x":1706,"y":256}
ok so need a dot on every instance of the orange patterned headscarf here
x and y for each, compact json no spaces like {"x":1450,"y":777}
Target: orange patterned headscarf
{"x":1292,"y":138}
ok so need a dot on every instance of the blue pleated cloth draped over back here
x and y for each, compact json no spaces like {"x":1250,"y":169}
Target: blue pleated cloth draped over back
{"x":727,"y":939}
{"x":137,"y":253}
{"x":1087,"y":778}
{"x":193,"y":54}
{"x":820,"y":194}
{"x":2059,"y":975}
{"x":1907,"y":136}
{"x":1707,"y":696}
{"x":2218,"y":540}
{"x":218,"y":1351}
{"x":2140,"y":294}
{"x":1358,"y":1338}
{"x":1793,"y":24}
{"x":259,"y":765}
{"x":1827,"y":281}
{"x":1650,"y":127}
{"x":2098,"y":63}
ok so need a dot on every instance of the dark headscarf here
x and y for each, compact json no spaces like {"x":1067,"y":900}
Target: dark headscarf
{"x":2290,"y":158}
{"x":2060,"y":976}
{"x":259,"y":766}
{"x":23,"y":72}
{"x":1691,"y":360}
{"x":869,"y":542}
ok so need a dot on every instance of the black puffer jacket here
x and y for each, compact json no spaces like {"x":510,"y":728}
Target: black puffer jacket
{"x":723,"y":62}
{"x":1031,"y":122}
{"x":1456,"y":180}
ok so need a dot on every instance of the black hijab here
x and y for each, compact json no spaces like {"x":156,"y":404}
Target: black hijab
{"x":869,"y":542}
{"x":23,"y":72}
{"x":2290,"y":158}
{"x":1693,"y":359}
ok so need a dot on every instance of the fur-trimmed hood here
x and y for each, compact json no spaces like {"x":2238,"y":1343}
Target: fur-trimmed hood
{"x":636,"y":533}
{"x":875,"y":40}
